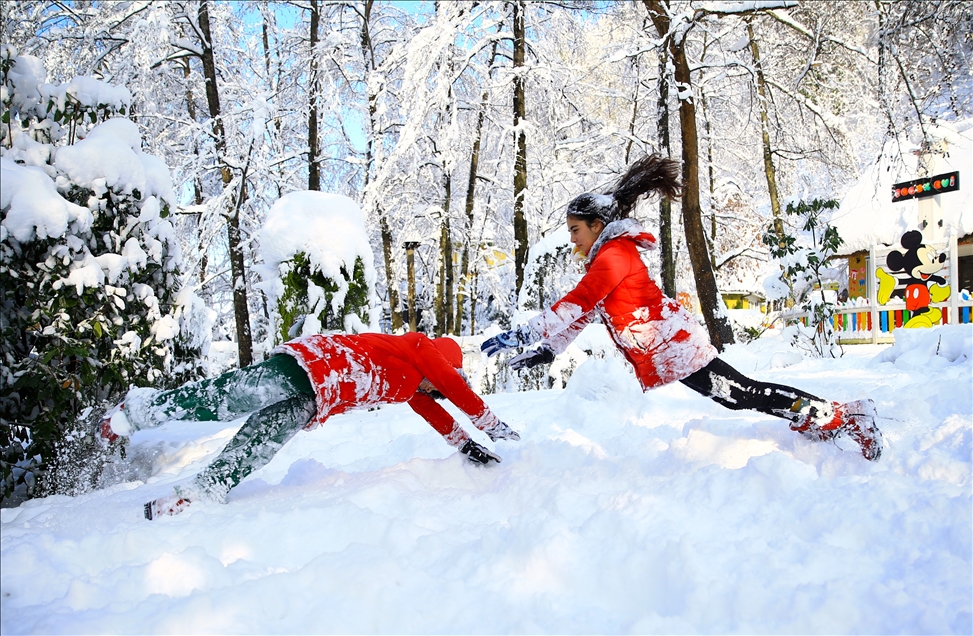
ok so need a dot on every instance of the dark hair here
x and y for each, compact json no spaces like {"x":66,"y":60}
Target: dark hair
{"x":652,"y":173}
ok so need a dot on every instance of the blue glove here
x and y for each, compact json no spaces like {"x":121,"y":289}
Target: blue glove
{"x":518,"y":337}
{"x":541,"y":355}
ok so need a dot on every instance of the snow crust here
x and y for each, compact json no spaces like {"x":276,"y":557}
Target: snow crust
{"x":618,"y":511}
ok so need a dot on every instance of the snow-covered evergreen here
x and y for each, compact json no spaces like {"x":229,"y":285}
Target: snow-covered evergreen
{"x":90,"y":266}
{"x":318,"y":271}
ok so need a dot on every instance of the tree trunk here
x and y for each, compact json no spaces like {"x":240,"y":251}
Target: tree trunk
{"x":709,"y":170}
{"x":444,"y":284}
{"x":237,"y":266}
{"x":410,"y":269}
{"x":465,"y":285}
{"x":665,"y":205}
{"x":635,"y":112}
{"x":521,"y":244}
{"x":313,"y":176}
{"x":271,"y":86}
{"x":197,"y":181}
{"x":717,"y":323}
{"x":763,"y":100}
{"x":387,"y":247}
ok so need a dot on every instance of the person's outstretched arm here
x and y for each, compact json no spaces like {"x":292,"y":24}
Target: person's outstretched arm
{"x":423,"y":404}
{"x":439,"y":418}
{"x":572,"y":312}
{"x":447,"y":380}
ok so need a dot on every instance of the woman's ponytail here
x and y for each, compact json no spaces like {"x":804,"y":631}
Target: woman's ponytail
{"x":652,"y":173}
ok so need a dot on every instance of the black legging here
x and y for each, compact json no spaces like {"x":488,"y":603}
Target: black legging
{"x":724,"y":384}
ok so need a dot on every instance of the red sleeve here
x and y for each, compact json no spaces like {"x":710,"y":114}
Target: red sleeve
{"x":566,"y":318}
{"x":444,"y":377}
{"x":609,"y":269}
{"x":429,"y":410}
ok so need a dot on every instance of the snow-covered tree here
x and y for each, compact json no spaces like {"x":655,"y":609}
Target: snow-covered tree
{"x":317,"y":267}
{"x":91,"y":300}
{"x":806,"y":271}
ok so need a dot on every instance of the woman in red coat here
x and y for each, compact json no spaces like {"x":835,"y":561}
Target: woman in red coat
{"x":307,"y":381}
{"x":661,"y":340}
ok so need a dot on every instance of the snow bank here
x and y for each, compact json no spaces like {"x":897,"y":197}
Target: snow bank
{"x":929,"y":348}
{"x":617,"y":512}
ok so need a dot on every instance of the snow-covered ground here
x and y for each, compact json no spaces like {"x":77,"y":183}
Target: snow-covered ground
{"x":617,"y":512}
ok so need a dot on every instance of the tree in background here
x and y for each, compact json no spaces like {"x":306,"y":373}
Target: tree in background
{"x":805,"y":272}
{"x":406,"y":95}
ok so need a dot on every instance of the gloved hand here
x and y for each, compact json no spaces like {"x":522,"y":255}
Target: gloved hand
{"x":517,"y":337}
{"x":501,"y":431}
{"x":541,"y":355}
{"x":478,"y":454}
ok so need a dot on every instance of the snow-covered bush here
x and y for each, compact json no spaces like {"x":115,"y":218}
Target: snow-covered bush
{"x":89,"y":264}
{"x":317,"y":270}
{"x":805,"y":273}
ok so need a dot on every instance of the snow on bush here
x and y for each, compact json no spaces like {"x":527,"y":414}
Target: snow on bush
{"x":86,"y":241}
{"x":317,"y":270}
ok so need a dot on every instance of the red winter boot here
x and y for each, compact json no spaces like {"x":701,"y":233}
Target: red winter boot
{"x":170,"y":505}
{"x":855,"y":419}
{"x":858,"y":422}
{"x":106,"y":430}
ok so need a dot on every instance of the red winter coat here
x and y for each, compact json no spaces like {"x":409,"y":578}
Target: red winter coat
{"x":661,"y":339}
{"x":349,"y":372}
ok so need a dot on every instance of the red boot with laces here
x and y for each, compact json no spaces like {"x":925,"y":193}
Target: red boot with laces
{"x":855,"y":419}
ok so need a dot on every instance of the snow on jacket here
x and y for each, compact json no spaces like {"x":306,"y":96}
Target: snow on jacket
{"x":360,"y":371}
{"x":658,"y":336}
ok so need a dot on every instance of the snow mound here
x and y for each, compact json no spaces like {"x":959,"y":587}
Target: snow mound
{"x":940,"y":346}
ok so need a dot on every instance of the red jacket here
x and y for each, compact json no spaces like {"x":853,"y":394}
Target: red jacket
{"x":349,"y":372}
{"x":661,"y":339}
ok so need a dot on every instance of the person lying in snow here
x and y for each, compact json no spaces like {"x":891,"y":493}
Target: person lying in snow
{"x":654,"y":333}
{"x":306,"y":381}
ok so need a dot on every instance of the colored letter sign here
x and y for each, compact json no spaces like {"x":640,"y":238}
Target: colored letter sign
{"x":926,"y":187}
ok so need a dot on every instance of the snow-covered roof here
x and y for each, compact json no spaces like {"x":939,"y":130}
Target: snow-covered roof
{"x":867,"y":215}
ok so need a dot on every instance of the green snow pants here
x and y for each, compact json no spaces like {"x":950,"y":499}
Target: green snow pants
{"x":277,"y":393}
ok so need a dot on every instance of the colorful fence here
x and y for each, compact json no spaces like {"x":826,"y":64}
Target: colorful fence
{"x":856,"y":325}
{"x":873,"y":322}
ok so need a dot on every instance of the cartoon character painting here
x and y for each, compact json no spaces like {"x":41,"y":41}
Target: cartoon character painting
{"x":919,"y":285}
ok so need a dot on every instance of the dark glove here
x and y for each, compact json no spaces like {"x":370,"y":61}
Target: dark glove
{"x":528,"y":359}
{"x":521,"y":336}
{"x":478,"y":454}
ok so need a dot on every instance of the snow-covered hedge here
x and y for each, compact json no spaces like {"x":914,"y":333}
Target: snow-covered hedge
{"x":90,"y":302}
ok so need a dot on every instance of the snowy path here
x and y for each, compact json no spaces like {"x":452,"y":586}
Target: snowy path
{"x":617,"y":512}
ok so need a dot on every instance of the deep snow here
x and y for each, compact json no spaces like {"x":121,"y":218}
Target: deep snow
{"x":617,"y":512}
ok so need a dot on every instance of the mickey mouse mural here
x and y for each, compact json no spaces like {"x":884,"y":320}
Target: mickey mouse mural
{"x":917,"y":283}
